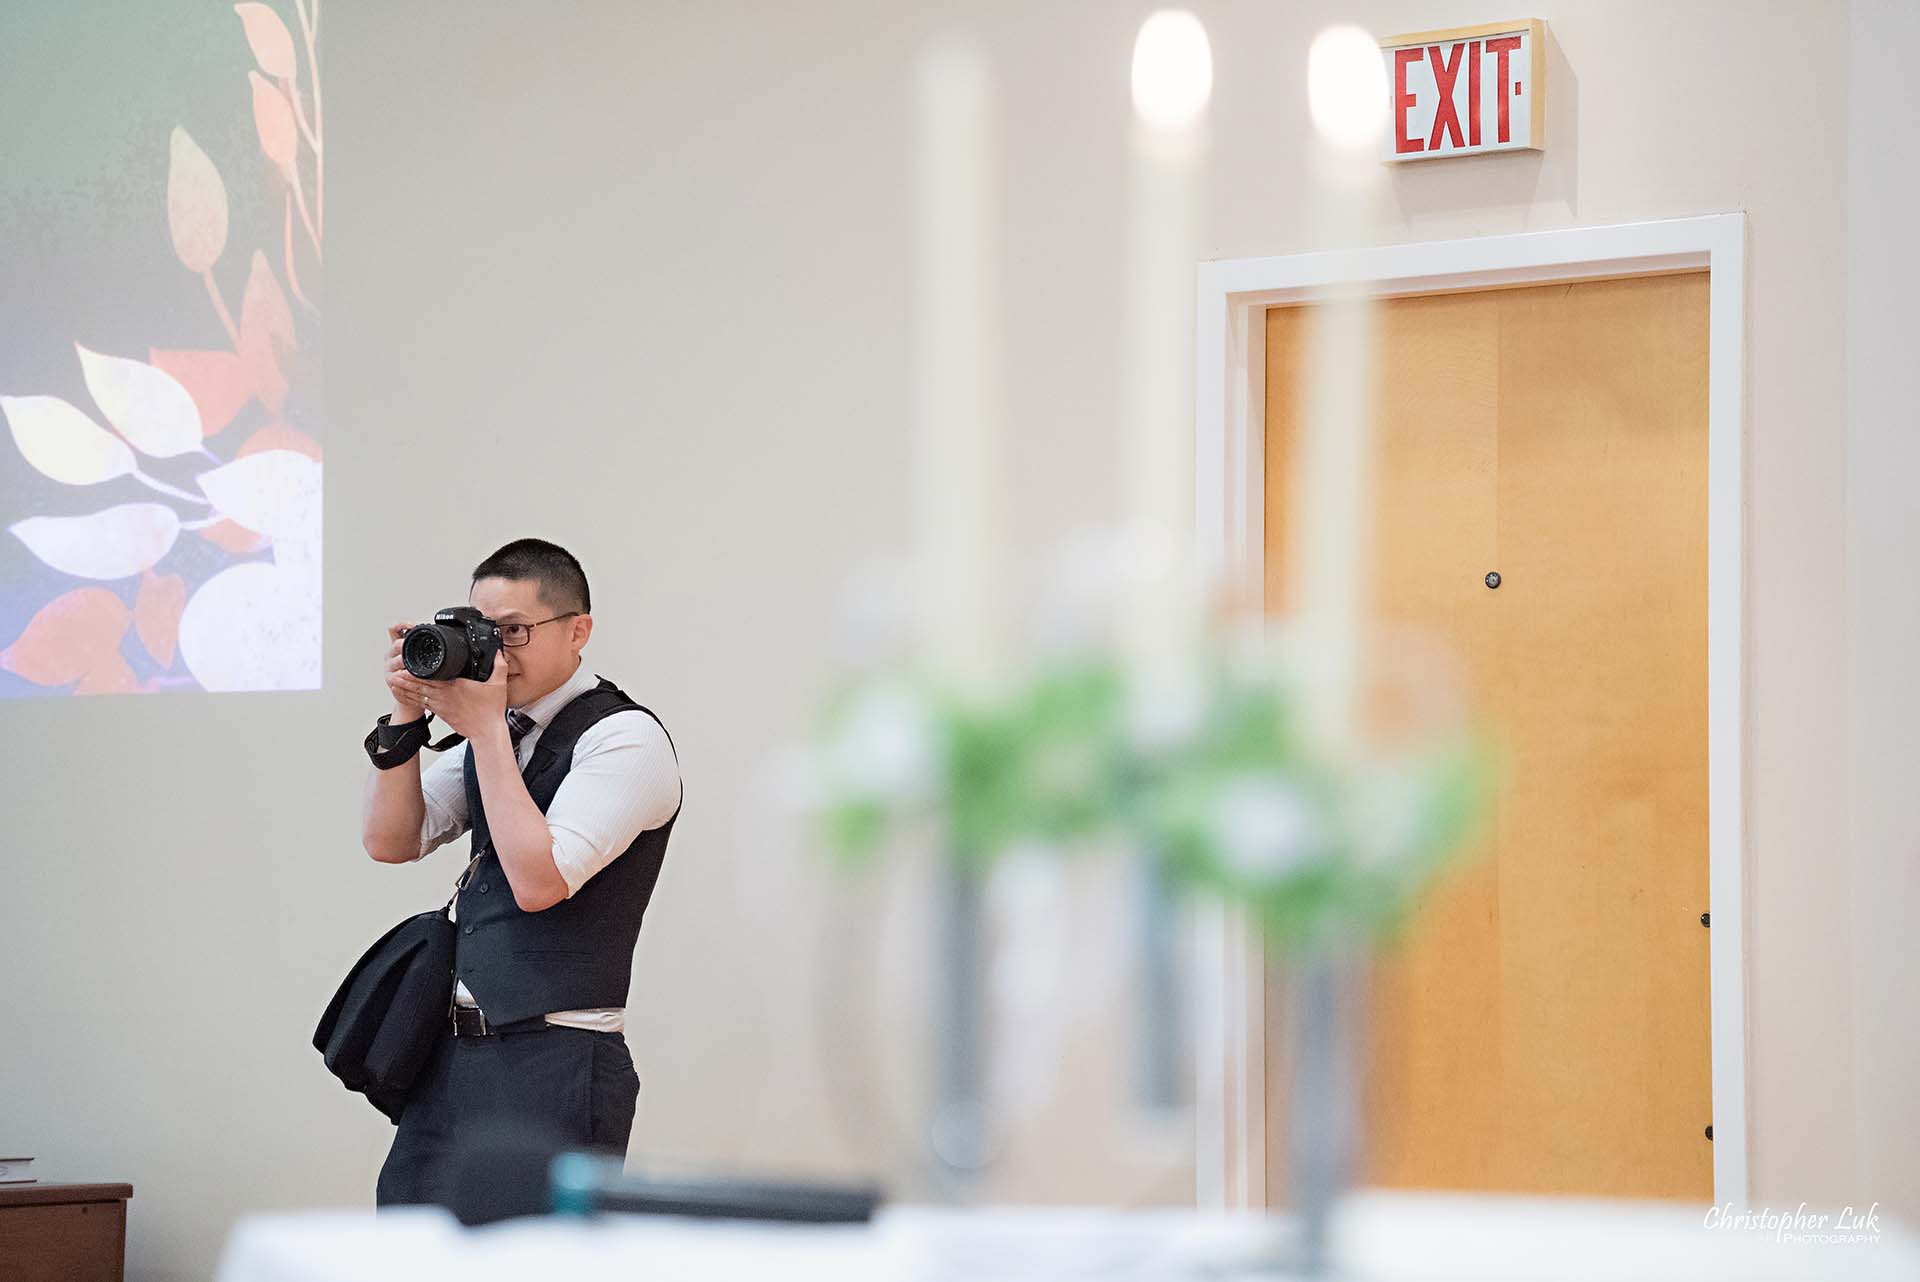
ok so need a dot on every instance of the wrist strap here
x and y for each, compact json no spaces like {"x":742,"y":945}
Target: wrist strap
{"x":388,"y":745}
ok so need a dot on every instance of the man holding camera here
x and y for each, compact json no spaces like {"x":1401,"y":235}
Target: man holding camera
{"x":571,"y":791}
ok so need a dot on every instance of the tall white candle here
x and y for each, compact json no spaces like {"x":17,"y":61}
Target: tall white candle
{"x":957,"y":395}
{"x":1172,"y":84}
{"x":1330,"y":497}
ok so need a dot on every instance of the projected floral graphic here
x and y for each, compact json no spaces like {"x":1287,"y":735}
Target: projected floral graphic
{"x":178,"y":503}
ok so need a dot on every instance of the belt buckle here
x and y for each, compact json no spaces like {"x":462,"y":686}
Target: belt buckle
{"x":477,"y":1014}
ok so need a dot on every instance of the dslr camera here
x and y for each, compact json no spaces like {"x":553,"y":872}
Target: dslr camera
{"x":460,"y":642}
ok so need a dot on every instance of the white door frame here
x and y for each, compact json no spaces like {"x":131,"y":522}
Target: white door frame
{"x":1229,"y":505}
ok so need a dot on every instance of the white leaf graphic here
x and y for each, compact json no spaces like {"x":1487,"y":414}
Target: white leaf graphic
{"x":276,"y":492}
{"x":254,"y":627}
{"x":113,"y":544}
{"x":299,"y":553}
{"x":196,"y":204}
{"x":145,"y":404}
{"x":64,"y":443}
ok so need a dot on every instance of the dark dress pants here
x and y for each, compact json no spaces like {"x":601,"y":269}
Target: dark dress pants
{"x":571,"y":1087}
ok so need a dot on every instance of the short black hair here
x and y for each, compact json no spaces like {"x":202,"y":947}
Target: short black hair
{"x":563,"y":584}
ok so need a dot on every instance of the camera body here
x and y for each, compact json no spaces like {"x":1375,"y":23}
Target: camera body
{"x":460,"y":642}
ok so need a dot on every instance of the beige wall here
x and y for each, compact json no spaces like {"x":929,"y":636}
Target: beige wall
{"x":637,"y":278}
{"x":1883,"y":597}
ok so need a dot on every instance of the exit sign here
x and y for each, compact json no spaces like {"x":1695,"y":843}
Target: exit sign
{"x":1466,"y":90}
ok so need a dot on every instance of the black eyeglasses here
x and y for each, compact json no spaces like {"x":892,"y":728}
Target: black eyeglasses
{"x":518,"y":634}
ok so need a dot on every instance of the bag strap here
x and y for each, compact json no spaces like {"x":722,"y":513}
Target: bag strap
{"x":461,"y":884}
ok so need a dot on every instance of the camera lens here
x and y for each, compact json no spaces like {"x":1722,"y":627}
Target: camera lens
{"x":434,"y":652}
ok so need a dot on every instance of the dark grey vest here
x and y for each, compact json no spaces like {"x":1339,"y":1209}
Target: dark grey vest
{"x":578,"y":954}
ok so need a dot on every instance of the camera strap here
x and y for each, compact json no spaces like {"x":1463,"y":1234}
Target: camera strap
{"x":519,"y":724}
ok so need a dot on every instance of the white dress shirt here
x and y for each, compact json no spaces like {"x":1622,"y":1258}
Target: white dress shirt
{"x":624,"y":781}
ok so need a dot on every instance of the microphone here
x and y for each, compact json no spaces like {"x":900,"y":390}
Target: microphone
{"x":504,"y":1169}
{"x":583,"y":1184}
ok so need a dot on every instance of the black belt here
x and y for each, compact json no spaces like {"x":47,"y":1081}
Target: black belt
{"x":469,"y":1022}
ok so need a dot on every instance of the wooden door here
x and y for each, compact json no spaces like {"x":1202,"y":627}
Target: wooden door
{"x":1544,"y":1024}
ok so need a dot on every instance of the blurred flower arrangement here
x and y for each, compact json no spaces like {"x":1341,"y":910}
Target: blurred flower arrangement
{"x":1212,"y":759}
{"x":253,"y":624}
{"x":1209,"y":768}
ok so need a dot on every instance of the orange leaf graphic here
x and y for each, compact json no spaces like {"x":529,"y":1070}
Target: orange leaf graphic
{"x":217,"y":381}
{"x":273,"y":121}
{"x":271,"y":42}
{"x":109,"y":674}
{"x":196,"y":204}
{"x":278,"y":436}
{"x":233,"y":537}
{"x":263,"y":308}
{"x":266,"y":325}
{"x":69,"y":637}
{"x":156,"y":614}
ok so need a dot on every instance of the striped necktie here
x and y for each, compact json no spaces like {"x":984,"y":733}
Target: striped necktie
{"x":519,"y":724}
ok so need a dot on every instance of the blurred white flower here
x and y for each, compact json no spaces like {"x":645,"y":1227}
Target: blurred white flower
{"x":886,"y":748}
{"x":1385,"y":817}
{"x":1265,"y":828}
{"x":1166,"y":705}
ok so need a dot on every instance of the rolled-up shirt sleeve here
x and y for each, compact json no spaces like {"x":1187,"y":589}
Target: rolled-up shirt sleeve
{"x":443,"y":787}
{"x":624,"y":781}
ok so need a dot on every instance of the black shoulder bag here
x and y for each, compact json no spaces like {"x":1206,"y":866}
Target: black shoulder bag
{"x":382,"y":1024}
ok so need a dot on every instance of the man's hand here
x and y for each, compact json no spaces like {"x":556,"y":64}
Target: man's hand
{"x":406,"y":690}
{"x":476,"y":709}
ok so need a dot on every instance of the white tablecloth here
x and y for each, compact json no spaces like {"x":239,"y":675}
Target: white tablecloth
{"x":1380,"y":1237}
